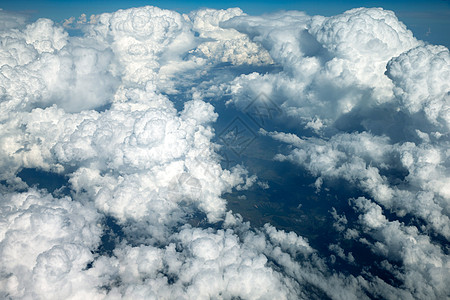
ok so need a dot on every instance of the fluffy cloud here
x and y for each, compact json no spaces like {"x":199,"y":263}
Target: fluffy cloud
{"x":39,"y":68}
{"x":425,"y":267}
{"x":330,"y":65}
{"x":143,"y":40}
{"x":404,"y":167}
{"x":232,"y":269}
{"x":45,"y":244}
{"x":139,"y":160}
{"x":421,"y":80}
{"x":366,"y":160}
{"x":227,"y":44}
{"x":142,"y":144}
{"x":44,"y":36}
{"x":145,"y":214}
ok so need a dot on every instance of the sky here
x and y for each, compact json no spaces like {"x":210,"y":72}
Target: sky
{"x":429,"y":20}
{"x":191,"y":152}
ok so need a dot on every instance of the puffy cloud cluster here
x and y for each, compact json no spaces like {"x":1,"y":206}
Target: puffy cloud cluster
{"x":195,"y":257}
{"x":330,"y":66}
{"x":376,"y":100}
{"x":421,"y":82}
{"x":38,"y":69}
{"x":144,"y":40}
{"x":373,"y":165}
{"x":127,"y":155}
{"x":45,"y":245}
{"x":234,"y":262}
{"x":144,"y":215}
{"x":135,"y":158}
{"x":425,"y":268}
{"x":48,"y":251}
{"x":158,"y":45}
{"x":225,"y":44}
{"x":369,"y":162}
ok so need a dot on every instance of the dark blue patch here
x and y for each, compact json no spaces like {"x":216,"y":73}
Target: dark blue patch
{"x":112,"y":235}
{"x":43,"y":179}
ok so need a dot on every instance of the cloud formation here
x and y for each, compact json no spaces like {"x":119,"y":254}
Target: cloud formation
{"x":331,"y":66}
{"x":420,"y":82}
{"x":142,"y":213}
{"x":45,"y":245}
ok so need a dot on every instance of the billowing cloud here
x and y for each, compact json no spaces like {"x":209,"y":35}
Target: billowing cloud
{"x":39,"y":69}
{"x":143,"y":40}
{"x":225,"y":44}
{"x":45,"y":245}
{"x":119,"y":113}
{"x":425,"y":267}
{"x":421,"y":83}
{"x":367,"y":160}
{"x":331,"y":66}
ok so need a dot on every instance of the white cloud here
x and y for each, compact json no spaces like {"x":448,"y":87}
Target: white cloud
{"x":95,"y":108}
{"x":330,"y":65}
{"x":421,"y":79}
{"x":362,"y":159}
{"x":45,"y":244}
{"x":424,"y":269}
{"x":44,"y":36}
{"x":46,"y":70}
{"x":225,"y":44}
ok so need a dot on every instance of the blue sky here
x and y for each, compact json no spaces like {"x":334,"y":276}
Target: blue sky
{"x":429,"y":20}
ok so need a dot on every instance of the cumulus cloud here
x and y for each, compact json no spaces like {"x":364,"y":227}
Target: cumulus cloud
{"x":126,"y":160}
{"x":143,"y":40}
{"x":378,"y":120}
{"x":421,"y":82}
{"x":425,"y":267}
{"x":406,"y":173}
{"x":330,"y":65}
{"x":39,"y":68}
{"x":366,"y":160}
{"x":225,"y":44}
{"x":45,"y":244}
{"x":144,"y":214}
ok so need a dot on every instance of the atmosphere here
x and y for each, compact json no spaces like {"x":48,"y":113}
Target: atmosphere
{"x":224,"y":150}
{"x":429,"y":20}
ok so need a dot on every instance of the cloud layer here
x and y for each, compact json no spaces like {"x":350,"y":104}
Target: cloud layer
{"x":142,"y":212}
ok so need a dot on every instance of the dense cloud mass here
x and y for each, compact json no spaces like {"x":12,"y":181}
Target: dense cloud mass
{"x":122,"y":119}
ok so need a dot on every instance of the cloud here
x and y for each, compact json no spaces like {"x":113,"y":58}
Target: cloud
{"x":235,"y":262}
{"x":330,"y":66}
{"x":146,"y":41}
{"x":420,"y":77}
{"x":366,"y":160}
{"x":44,"y":36}
{"x":39,"y":69}
{"x":120,"y":112}
{"x":225,"y":44}
{"x":45,"y":243}
{"x":349,"y":94}
{"x":424,"y":264}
